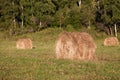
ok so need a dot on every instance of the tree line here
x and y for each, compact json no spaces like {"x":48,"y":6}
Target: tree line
{"x":23,"y":16}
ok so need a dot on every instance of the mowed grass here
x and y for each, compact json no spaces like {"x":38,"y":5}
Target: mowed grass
{"x":40,"y":63}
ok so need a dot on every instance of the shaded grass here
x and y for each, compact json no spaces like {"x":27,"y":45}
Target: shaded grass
{"x":40,"y":63}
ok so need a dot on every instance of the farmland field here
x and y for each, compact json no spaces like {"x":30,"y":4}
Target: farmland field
{"x":40,"y":63}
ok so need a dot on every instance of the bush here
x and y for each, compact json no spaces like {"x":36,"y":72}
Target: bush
{"x":70,"y":28}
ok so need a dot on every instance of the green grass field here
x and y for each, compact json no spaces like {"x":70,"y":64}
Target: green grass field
{"x":40,"y":63}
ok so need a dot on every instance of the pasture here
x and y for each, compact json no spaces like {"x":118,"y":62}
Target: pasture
{"x":40,"y":63}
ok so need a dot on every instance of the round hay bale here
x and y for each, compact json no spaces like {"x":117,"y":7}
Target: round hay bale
{"x":75,"y":45}
{"x":66,"y":46}
{"x":24,"y":44}
{"x":86,"y":45}
{"x":111,"y":41}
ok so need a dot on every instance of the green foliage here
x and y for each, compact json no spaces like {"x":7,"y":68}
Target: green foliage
{"x":70,"y":28}
{"x":111,"y":10}
{"x":23,"y":16}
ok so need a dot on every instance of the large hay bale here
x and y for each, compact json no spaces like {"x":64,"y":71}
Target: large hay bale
{"x":75,"y":45}
{"x":111,"y":41}
{"x":24,"y":44}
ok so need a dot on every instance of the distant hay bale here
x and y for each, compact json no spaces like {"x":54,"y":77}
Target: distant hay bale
{"x":111,"y":41}
{"x":75,"y":45}
{"x":24,"y":44}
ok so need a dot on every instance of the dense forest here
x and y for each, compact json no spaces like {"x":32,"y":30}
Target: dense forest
{"x":24,"y":16}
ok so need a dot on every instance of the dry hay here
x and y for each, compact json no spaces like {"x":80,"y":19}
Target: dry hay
{"x":75,"y":45}
{"x":111,"y":41}
{"x":24,"y":44}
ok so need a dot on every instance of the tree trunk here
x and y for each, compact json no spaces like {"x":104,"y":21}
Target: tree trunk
{"x":111,"y":32}
{"x":40,"y":24}
{"x":14,"y":23}
{"x":79,"y":3}
{"x":22,"y":23}
{"x":89,"y":23}
{"x":115,"y":30}
{"x":60,"y":21}
{"x":107,"y":30}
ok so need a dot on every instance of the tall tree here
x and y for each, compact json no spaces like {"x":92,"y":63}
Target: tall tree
{"x":109,"y":13}
{"x":88,"y":11}
{"x":44,"y":11}
{"x":9,"y":15}
{"x":116,"y":14}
